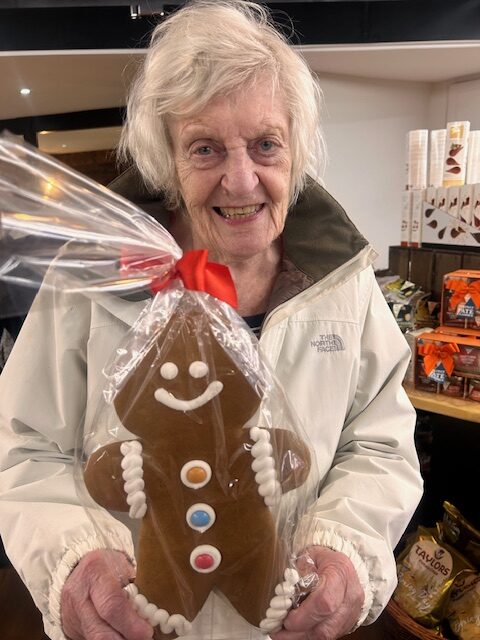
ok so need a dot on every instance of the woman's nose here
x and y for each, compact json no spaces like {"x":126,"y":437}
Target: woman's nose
{"x":240,"y":175}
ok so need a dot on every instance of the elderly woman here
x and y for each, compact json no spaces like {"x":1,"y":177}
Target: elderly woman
{"x":222,"y":126}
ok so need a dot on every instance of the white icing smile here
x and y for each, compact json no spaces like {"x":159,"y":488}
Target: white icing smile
{"x":169,"y":400}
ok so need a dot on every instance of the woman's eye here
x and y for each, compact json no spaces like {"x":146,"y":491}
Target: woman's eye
{"x":205,"y":156}
{"x":203,"y":151}
{"x":267,"y":145}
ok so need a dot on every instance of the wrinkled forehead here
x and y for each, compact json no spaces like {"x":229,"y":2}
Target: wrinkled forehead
{"x":199,"y":105}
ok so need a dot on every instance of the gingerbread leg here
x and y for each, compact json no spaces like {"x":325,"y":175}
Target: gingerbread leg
{"x":169,"y":625}
{"x":252,"y":587}
{"x":167,"y":592}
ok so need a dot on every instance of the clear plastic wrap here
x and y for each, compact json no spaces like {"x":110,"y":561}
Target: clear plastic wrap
{"x":50,"y":212}
{"x":192,"y":442}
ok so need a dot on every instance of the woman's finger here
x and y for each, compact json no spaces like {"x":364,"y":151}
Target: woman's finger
{"x":114,"y":606}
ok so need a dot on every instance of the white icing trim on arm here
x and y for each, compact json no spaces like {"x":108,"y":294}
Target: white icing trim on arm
{"x":280,"y":603}
{"x":132,"y":465}
{"x":264,"y":466}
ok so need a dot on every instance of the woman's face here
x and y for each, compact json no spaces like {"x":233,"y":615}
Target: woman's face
{"x":233,"y":165}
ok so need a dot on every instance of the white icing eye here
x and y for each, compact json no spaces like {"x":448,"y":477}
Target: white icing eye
{"x":168,"y":370}
{"x":198,"y":369}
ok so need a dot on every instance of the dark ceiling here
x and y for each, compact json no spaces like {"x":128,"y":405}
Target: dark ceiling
{"x":106,"y":24}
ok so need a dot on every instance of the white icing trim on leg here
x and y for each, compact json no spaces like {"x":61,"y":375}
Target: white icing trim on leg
{"x":132,"y":465}
{"x":280,"y":603}
{"x":264,"y":466}
{"x":158,"y":617}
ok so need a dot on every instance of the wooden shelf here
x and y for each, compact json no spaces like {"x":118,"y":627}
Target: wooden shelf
{"x":438,"y":403}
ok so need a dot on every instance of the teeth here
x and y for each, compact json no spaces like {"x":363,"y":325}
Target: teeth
{"x":239,"y":212}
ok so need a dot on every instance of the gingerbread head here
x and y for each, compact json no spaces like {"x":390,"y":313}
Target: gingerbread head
{"x":186,"y":380}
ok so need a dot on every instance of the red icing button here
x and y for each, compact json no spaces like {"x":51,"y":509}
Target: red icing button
{"x":205,"y":558}
{"x":204,"y":561}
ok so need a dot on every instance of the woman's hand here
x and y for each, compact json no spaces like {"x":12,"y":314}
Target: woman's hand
{"x":94,"y":605}
{"x":332,"y":609}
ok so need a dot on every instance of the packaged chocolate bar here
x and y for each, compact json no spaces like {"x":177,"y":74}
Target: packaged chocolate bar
{"x":453,"y":386}
{"x":424,"y":382}
{"x":467,"y":358}
{"x":472,"y":391}
{"x":435,"y":361}
{"x":460,"y":533}
{"x":426,"y":571}
{"x":442,"y":354}
{"x":455,"y":158}
{"x":411,"y":336}
{"x":461,"y":299}
{"x":463,"y":608}
{"x":407,"y":301}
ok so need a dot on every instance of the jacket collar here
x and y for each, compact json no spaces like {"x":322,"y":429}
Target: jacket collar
{"x":318,"y":237}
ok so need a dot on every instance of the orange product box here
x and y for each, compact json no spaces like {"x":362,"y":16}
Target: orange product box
{"x":467,"y":360}
{"x":459,"y":331}
{"x":444,"y":361}
{"x":461,"y":299}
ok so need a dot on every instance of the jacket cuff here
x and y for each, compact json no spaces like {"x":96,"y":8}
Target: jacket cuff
{"x":111,"y":540}
{"x":332,"y":540}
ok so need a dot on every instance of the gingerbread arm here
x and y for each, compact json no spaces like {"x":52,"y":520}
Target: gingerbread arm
{"x":292,"y":458}
{"x":114,"y":478}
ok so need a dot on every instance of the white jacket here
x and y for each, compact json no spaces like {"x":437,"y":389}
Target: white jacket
{"x":337,"y":351}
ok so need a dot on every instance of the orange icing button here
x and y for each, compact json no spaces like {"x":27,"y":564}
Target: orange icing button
{"x":196,"y":475}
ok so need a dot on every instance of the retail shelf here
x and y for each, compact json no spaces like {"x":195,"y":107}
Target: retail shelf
{"x":56,"y":75}
{"x":438,"y":403}
{"x":436,"y":61}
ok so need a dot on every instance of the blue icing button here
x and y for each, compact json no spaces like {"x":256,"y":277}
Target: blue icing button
{"x":200,"y":518}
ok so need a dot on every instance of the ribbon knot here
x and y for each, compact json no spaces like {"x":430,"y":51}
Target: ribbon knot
{"x":433,"y":355}
{"x":461,"y":290}
{"x":193,"y":269}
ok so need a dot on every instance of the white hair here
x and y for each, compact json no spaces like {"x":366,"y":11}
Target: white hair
{"x":211,"y":48}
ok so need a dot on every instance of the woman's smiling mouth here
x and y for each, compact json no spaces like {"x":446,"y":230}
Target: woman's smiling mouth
{"x":238,"y":213}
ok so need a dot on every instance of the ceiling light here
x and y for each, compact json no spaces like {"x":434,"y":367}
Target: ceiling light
{"x":25,"y":91}
{"x":43,"y":133}
{"x":138,"y":11}
{"x":64,"y":146}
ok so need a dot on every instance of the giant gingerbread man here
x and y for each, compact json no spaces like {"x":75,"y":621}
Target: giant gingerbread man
{"x":202,"y":483}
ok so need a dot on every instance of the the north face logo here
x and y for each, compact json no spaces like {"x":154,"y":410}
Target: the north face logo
{"x":328,"y":342}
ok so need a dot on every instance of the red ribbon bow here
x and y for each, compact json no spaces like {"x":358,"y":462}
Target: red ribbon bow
{"x":461,"y":289}
{"x":434,"y":354}
{"x":193,"y":269}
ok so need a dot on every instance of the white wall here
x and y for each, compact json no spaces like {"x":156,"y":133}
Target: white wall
{"x":438,"y":106}
{"x":464,"y":102}
{"x":365,"y":124}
